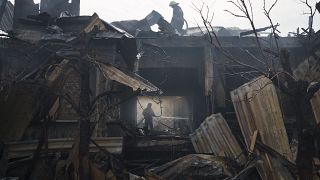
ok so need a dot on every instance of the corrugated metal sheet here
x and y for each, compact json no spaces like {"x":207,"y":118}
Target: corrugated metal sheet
{"x":315,"y":102}
{"x":257,"y":108}
{"x":214,"y":136}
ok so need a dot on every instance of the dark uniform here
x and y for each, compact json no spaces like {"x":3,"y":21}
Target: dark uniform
{"x":177,"y":20}
{"x":148,"y":116}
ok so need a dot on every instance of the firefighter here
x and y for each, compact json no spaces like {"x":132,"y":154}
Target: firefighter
{"x":177,"y":20}
{"x":148,"y":116}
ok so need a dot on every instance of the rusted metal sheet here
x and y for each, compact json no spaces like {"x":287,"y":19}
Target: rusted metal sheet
{"x":315,"y":102}
{"x":214,"y":136}
{"x":257,"y":108}
{"x":26,"y":148}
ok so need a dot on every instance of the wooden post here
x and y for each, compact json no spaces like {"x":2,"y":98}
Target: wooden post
{"x":84,"y":121}
{"x":84,"y":108}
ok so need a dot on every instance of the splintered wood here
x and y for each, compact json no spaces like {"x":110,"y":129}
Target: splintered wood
{"x":315,"y":102}
{"x":258,"y":109}
{"x":214,"y":136}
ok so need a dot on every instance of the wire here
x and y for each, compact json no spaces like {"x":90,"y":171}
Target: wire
{"x":141,"y":107}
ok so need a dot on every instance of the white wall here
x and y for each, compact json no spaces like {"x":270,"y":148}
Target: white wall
{"x":172,"y":106}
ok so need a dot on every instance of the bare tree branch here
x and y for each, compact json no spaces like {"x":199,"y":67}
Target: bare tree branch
{"x":311,"y":13}
{"x":249,"y":15}
{"x":236,"y":15}
{"x":214,"y":40}
{"x":274,"y":29}
{"x":237,"y":5}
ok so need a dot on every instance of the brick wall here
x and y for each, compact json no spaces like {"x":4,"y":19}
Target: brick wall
{"x":71,"y":87}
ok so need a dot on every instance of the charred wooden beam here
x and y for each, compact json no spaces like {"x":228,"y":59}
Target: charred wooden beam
{"x":26,"y":148}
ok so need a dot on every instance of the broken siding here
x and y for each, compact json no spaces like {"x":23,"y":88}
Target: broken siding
{"x":6,"y":15}
{"x":257,"y":108}
{"x":315,"y":102}
{"x":309,"y":69}
{"x":214,"y":136}
{"x":193,"y":166}
{"x":127,"y":78}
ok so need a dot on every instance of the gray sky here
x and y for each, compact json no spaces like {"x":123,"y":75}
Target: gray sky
{"x":288,"y":13}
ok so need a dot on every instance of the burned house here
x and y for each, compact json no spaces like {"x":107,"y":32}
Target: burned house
{"x":74,"y":89}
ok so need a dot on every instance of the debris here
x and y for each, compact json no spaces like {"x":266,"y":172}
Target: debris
{"x":26,"y":148}
{"x":193,"y":166}
{"x":315,"y":102}
{"x":134,"y":27}
{"x":130,"y":79}
{"x":294,"y":148}
{"x":253,"y":141}
{"x":257,"y":108}
{"x":135,"y":177}
{"x":258,"y":30}
{"x":6,"y":15}
{"x":214,"y":136}
{"x":308,"y":69}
